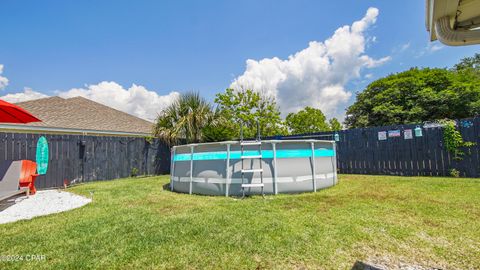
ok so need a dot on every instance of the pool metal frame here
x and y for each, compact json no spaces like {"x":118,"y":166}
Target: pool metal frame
{"x":175,"y":157}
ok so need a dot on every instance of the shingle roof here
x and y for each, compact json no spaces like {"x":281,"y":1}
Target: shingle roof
{"x":82,"y":113}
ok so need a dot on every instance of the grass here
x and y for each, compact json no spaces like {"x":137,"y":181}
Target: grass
{"x":134,"y":223}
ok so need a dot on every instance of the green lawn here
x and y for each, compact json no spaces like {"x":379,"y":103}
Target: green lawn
{"x":134,"y":223}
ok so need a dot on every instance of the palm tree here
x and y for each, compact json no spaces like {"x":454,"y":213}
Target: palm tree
{"x":185,"y":119}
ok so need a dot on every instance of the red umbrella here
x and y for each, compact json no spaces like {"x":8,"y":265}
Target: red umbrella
{"x":10,"y":113}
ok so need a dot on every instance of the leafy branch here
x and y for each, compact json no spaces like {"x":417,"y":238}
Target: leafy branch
{"x":453,"y":139}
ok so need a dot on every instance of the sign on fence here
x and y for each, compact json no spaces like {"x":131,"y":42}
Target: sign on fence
{"x":407,"y":134}
{"x":42,"y":155}
{"x":382,"y":135}
{"x":394,"y":133}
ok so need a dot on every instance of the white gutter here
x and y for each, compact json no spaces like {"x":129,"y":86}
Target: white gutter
{"x":449,"y":36}
{"x":71,"y":131}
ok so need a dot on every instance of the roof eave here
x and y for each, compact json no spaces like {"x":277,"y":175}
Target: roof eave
{"x":68,"y":131}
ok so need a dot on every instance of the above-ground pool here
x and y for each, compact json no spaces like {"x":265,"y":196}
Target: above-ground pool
{"x":289,"y":166}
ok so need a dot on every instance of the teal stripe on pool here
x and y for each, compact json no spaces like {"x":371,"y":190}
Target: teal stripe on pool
{"x":290,"y":153}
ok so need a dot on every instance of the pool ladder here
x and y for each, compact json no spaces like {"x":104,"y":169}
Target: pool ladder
{"x":257,"y":142}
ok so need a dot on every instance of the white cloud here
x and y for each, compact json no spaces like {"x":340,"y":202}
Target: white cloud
{"x":317,"y":75}
{"x":27,"y":94}
{"x":368,"y":76}
{"x":3,"y":80}
{"x":432,"y":47}
{"x":401,"y":48}
{"x":136,"y":100}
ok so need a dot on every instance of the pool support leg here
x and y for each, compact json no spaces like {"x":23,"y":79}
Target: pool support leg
{"x":275,"y":187}
{"x":334,"y":164}
{"x":228,"y":180}
{"x":314,"y":171}
{"x":172,"y":168}
{"x":191,"y":169}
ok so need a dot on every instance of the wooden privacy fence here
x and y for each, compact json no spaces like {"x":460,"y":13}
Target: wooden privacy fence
{"x":78,"y":158}
{"x":359,"y":151}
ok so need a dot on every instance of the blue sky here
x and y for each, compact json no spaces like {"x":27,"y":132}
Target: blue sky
{"x":52,"y":47}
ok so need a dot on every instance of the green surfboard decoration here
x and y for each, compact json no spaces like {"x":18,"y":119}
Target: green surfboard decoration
{"x":42,"y":155}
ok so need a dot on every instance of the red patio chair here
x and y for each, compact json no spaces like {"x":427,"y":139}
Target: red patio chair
{"x":28,"y":174}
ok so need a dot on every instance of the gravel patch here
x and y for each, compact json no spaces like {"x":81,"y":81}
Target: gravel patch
{"x":42,"y":203}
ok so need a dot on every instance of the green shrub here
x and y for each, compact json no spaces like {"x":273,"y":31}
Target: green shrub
{"x":454,"y":173}
{"x":453,"y":139}
{"x":134,"y":172}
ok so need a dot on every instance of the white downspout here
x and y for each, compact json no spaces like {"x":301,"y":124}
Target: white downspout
{"x":449,"y":36}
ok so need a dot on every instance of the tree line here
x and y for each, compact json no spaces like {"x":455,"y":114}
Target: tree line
{"x":412,"y":96}
{"x":418,"y":95}
{"x":191,"y":118}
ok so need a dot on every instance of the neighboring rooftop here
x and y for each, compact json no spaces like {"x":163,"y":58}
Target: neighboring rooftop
{"x":82,"y":114}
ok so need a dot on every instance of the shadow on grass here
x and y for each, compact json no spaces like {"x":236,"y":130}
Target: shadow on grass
{"x":166,"y":187}
{"x":363,"y":266}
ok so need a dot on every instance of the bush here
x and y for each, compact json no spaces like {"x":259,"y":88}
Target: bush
{"x":454,"y":173}
{"x":134,"y":172}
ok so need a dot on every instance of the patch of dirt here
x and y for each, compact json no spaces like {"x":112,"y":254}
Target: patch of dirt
{"x":385,"y":263}
{"x":437,"y":241}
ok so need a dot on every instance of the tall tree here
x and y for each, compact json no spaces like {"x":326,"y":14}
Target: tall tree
{"x":335,"y":125}
{"x":308,"y":120}
{"x":469,"y":63}
{"x":416,"y":95}
{"x":246,"y":107}
{"x":185,"y":119}
{"x":220,"y":128}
